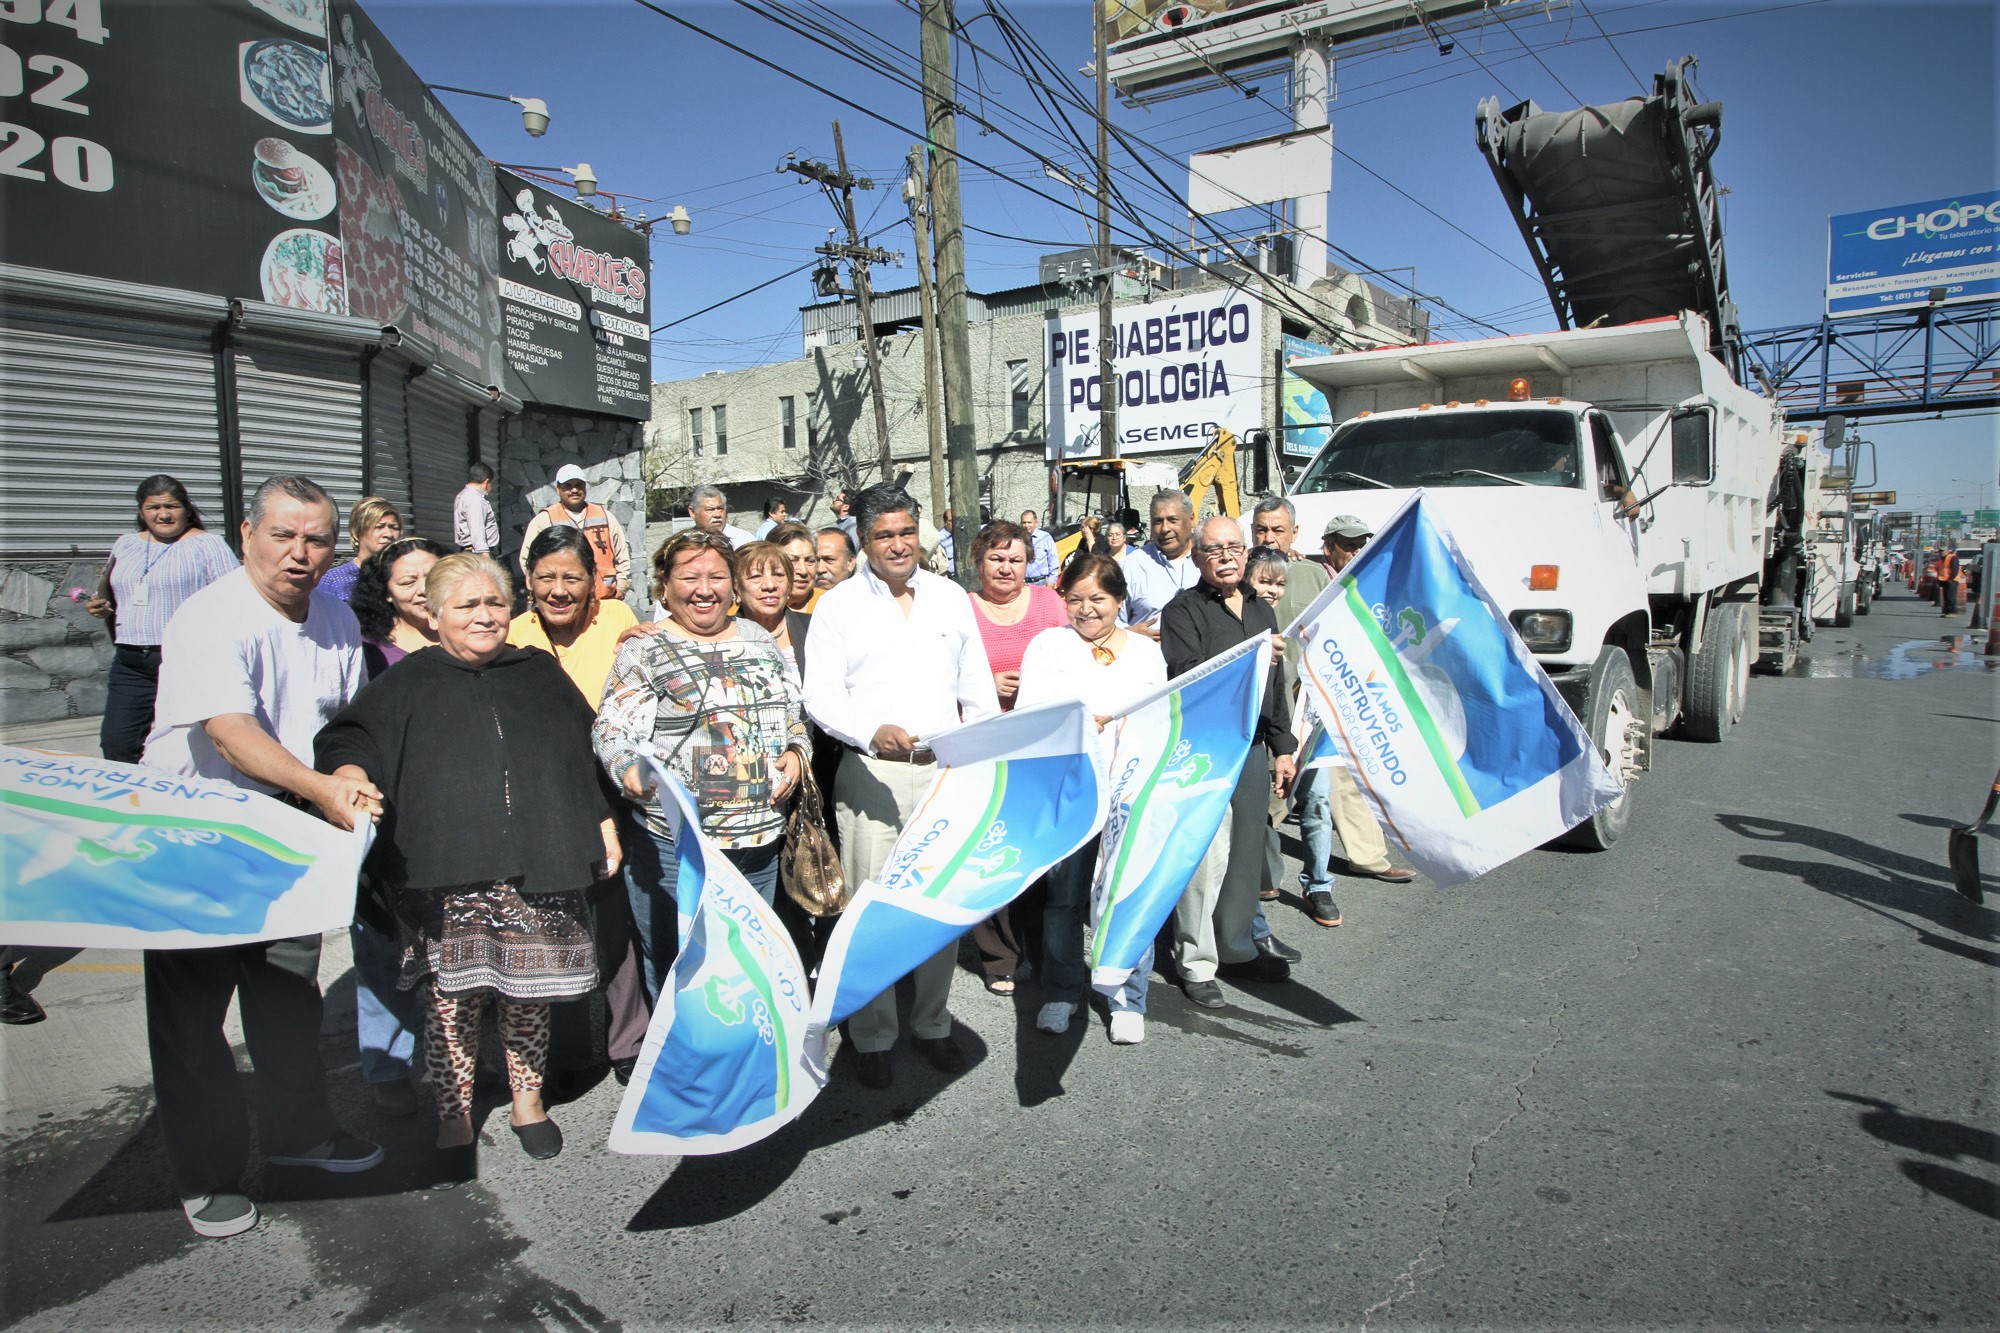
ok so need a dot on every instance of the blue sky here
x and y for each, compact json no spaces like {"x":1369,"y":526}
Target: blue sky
{"x":1830,"y":107}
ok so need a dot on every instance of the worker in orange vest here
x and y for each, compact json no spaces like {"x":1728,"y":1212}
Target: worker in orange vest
{"x":608,"y":547}
{"x":1947,"y":576}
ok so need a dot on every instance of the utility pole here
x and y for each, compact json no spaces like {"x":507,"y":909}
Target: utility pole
{"x":840,"y":185}
{"x":1107,"y":333}
{"x":947,"y":217}
{"x":918,"y":189}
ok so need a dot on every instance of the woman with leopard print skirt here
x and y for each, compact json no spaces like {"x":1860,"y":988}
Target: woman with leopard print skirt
{"x":496,"y":819}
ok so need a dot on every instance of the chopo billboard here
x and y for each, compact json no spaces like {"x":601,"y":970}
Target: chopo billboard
{"x":1185,"y":365}
{"x":1892,"y":258}
{"x":574,"y":303}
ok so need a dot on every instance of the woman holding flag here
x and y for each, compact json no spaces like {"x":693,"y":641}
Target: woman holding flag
{"x":714,"y":694}
{"x":495,"y":824}
{"x":1094,"y":659}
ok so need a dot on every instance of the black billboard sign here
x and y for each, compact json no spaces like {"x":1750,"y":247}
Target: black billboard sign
{"x":416,"y":218}
{"x":574,"y":297}
{"x":180,"y":145}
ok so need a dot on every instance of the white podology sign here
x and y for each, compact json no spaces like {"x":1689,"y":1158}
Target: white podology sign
{"x":1185,"y":365}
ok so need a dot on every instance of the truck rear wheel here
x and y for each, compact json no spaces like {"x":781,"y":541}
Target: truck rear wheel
{"x":1613,"y":723}
{"x":1843,"y":610}
{"x":1864,"y":595}
{"x":1743,"y":652}
{"x":1713,"y":697}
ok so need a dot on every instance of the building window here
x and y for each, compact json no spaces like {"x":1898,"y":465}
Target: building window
{"x":812,"y":423}
{"x":788,"y":420}
{"x":721,"y":415}
{"x":1017,"y":394}
{"x":694,"y":430}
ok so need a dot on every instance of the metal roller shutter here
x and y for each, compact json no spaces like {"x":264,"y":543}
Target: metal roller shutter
{"x":440,"y":451}
{"x":389,"y":432}
{"x":299,"y":411}
{"x":89,"y":405}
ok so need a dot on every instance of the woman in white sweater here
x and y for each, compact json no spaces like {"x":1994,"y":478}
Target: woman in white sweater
{"x":1095,"y":659}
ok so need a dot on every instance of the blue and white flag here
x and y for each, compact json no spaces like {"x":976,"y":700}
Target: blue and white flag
{"x":1452,"y":730}
{"x":1014,"y":794}
{"x":724,"y":1060}
{"x":1175,"y":759}
{"x":1316,"y":744}
{"x":102,"y":855}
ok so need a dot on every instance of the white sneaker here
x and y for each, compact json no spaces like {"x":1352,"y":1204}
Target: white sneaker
{"x":219,"y":1214}
{"x":1128,"y":1027}
{"x":1055,"y":1016}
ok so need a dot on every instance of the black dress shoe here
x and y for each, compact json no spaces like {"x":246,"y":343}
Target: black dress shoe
{"x":943,"y":1053}
{"x":17,"y":1006}
{"x":1204,"y":993}
{"x":1270,"y":946}
{"x":873,"y":1069}
{"x":1260,"y":968}
{"x":622,"y":1069}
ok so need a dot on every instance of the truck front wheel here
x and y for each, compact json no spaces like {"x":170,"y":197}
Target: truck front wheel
{"x":1615,"y":724}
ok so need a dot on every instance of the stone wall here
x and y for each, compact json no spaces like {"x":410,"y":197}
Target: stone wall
{"x":54,"y":655}
{"x":538,"y":441}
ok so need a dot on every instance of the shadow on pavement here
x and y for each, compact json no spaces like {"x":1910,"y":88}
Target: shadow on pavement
{"x":1866,"y":891}
{"x":1935,"y":1138}
{"x":709,"y":1189}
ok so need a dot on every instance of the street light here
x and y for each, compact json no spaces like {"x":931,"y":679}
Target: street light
{"x":585,"y":178}
{"x":534,"y":111}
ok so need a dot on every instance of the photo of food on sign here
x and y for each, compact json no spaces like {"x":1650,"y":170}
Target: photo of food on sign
{"x":287,"y":83}
{"x":308,"y":16}
{"x":291,"y":182}
{"x":302,"y":269}
{"x":372,"y":235}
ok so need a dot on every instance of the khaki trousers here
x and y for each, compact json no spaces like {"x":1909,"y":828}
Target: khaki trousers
{"x":1359,"y":834}
{"x":872,"y":800}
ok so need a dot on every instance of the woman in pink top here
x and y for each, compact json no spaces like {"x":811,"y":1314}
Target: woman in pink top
{"x":1010,"y":612}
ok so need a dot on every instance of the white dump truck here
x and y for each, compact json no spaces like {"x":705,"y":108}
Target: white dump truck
{"x":1610,"y":489}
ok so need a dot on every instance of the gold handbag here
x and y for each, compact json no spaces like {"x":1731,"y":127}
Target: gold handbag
{"x":808,"y":865}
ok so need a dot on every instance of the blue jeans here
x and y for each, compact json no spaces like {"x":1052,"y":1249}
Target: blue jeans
{"x":385,"y":1018}
{"x":652,"y":867}
{"x":1063,"y":920}
{"x":1315,"y":805}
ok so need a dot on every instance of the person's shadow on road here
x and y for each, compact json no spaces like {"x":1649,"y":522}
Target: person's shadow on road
{"x":1935,"y":1138}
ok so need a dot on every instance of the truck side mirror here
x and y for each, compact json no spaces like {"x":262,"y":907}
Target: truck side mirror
{"x":1694,"y":448}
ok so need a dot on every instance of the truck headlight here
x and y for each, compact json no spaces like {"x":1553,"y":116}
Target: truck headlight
{"x":1543,"y":631}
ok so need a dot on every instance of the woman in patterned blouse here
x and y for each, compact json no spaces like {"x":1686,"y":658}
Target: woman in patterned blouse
{"x":713,"y":697}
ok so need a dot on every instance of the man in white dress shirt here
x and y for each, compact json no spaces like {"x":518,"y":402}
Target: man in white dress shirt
{"x":709,"y":508}
{"x":896,"y":658}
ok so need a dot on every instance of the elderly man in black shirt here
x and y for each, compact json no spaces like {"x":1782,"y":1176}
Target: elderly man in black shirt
{"x":1214,"y":924}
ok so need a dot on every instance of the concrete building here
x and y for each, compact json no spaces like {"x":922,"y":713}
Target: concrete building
{"x":801,"y":430}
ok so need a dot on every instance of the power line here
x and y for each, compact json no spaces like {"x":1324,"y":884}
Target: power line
{"x":739,"y":296}
{"x":1614,"y":47}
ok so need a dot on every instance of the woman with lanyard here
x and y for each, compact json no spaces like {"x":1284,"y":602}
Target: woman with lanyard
{"x":150,"y":573}
{"x":371,"y":525}
{"x":713,"y":693}
{"x":1094,"y":659}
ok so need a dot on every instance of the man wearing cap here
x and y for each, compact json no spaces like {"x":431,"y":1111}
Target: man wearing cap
{"x":607,"y":539}
{"x":1360,"y":835}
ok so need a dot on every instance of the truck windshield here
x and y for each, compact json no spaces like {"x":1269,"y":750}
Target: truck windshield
{"x":1448,"y":449}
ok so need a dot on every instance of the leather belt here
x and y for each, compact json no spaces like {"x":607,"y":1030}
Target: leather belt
{"x":919,"y":757}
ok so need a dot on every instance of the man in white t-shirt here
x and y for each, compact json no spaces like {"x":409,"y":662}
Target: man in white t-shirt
{"x":251,"y":668}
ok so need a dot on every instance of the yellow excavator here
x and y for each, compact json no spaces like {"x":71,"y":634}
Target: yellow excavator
{"x":1101,"y":486}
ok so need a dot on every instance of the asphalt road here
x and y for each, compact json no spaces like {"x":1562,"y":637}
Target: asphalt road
{"x":1737,"y":1071}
